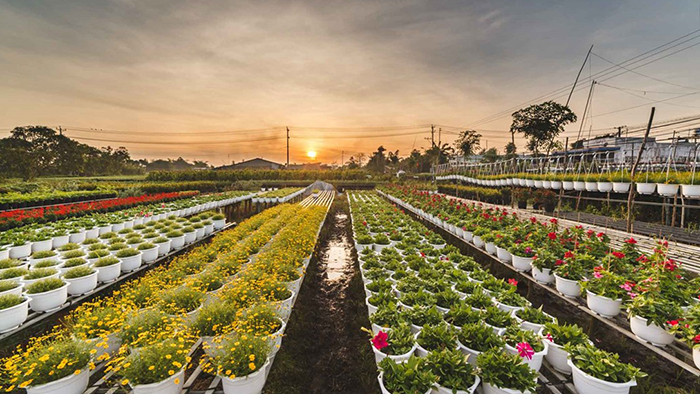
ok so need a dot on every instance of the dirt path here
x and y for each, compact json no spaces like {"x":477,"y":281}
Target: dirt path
{"x":324,"y":351}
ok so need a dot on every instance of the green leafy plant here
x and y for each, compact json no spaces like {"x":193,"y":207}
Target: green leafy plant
{"x":44,"y":254}
{"x":40,"y":273}
{"x":74,"y":263}
{"x":655,"y":309}
{"x":45,"y":264}
{"x":215,"y":318}
{"x":534,"y":315}
{"x":153,"y":363}
{"x":72,"y":254}
{"x":106,"y":261}
{"x":78,"y":272}
{"x":565,"y":334}
{"x":437,"y":337}
{"x":479,"y":337}
{"x":498,"y":318}
{"x":237,"y":356}
{"x":602,"y":365}
{"x":9,"y":263}
{"x":44,"y":285}
{"x":10,"y":300}
{"x":452,"y":369}
{"x":504,"y":370}
{"x":410,"y":377}
{"x":515,"y":335}
{"x":387,"y":316}
{"x":400,"y":340}
{"x":6,"y":285}
{"x":13,"y":273}
{"x":511,"y":298}
{"x":124,"y":253}
{"x":181,"y":300}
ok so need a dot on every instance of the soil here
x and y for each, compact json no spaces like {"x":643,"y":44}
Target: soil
{"x":324,"y":349}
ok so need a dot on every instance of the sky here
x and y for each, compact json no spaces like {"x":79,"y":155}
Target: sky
{"x":219,"y":80}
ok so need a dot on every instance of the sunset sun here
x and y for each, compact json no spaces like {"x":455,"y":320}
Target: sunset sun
{"x":311,"y":154}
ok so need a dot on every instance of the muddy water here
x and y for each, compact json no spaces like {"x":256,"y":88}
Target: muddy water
{"x":324,"y":350}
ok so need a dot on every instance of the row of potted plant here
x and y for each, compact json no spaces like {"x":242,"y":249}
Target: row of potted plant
{"x":15,"y":200}
{"x":437,"y":313}
{"x":234,"y":294}
{"x":664,"y":183}
{"x":20,"y":242}
{"x":278,"y":195}
{"x":660,"y":297}
{"x":47,"y":279}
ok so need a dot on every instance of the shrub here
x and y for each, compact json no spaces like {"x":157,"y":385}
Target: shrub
{"x":44,"y":254}
{"x":10,"y":300}
{"x":479,"y":337}
{"x":452,"y":369}
{"x":602,"y":365}
{"x":45,"y":264}
{"x":106,"y":261}
{"x":9,"y":263}
{"x":504,"y":370}
{"x":437,"y":337}
{"x":181,"y":300}
{"x":129,"y":252}
{"x":6,"y":285}
{"x":237,"y":356}
{"x":44,"y":285}
{"x":154,"y":363}
{"x":40,"y":273}
{"x":74,"y":263}
{"x":12,"y":273}
{"x":409,"y":377}
{"x":146,"y":246}
{"x":78,"y":272}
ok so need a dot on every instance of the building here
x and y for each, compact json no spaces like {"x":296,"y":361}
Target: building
{"x":624,"y":150}
{"x":253,"y":164}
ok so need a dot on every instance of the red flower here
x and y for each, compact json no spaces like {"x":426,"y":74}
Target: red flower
{"x":672,"y":322}
{"x":631,"y":241}
{"x":553,"y":221}
{"x":380,"y":340}
{"x":568,"y":254}
{"x":697,"y":339}
{"x":512,"y":282}
{"x":619,"y":255}
{"x":552,"y":236}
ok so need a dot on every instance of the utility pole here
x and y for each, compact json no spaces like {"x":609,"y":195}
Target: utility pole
{"x":342,"y":158}
{"x":440,"y":137}
{"x":287,"y":147}
{"x":432,"y":135}
{"x":630,"y":197}
{"x":578,"y":75}
{"x":60,"y":130}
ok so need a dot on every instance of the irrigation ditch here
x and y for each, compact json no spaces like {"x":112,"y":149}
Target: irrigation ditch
{"x":324,"y":350}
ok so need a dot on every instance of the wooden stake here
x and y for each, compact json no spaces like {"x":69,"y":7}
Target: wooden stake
{"x":630,"y":197}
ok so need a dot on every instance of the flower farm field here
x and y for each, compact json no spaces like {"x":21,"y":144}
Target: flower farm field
{"x":409,"y":292}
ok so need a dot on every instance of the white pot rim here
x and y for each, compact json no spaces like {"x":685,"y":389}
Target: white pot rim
{"x":156,"y":384}
{"x":82,"y":277}
{"x":588,"y":292}
{"x":26,"y":301}
{"x":63,"y":379}
{"x":252,"y":375}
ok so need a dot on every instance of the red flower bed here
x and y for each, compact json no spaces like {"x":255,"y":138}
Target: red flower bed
{"x":18,"y":217}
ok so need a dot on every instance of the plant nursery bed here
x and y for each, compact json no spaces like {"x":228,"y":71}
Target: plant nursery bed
{"x":669,"y":368}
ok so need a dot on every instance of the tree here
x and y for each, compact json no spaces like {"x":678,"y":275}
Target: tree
{"x":511,"y":150}
{"x":489,"y":155}
{"x":352,"y":164}
{"x":377,"y":161}
{"x":467,"y":142}
{"x":541,"y":124}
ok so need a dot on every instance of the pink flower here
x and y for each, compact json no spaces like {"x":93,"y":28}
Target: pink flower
{"x":627,"y":286}
{"x":525,"y":350}
{"x":512,"y":282}
{"x":380,"y":340}
{"x":549,"y":337}
{"x":632,"y":295}
{"x":597,"y":275}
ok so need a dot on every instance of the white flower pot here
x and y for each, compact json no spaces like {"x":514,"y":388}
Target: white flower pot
{"x":384,"y":390}
{"x":20,"y":252}
{"x":190,"y":237}
{"x":370,"y":308}
{"x":567,"y":287}
{"x":400,"y":358}
{"x":652,"y":333}
{"x":251,"y":384}
{"x":503,"y":254}
{"x":690,"y":191}
{"x":478,"y":242}
{"x":530,"y":182}
{"x":77,"y":237}
{"x":13,"y":317}
{"x":546,"y":184}
{"x":604,"y":186}
{"x":60,"y":240}
{"x":536,"y":361}
{"x":646,"y":188}
{"x":667,"y":190}
{"x":92,"y":233}
{"x":591,"y":186}
{"x":558,"y":358}
{"x":131,"y":263}
{"x":621,"y":187}
{"x":556,"y":185}
{"x":167,"y":386}
{"x":85,"y":284}
{"x":579,"y":185}
{"x":164,"y":248}
{"x":489,"y":389}
{"x":16,"y":291}
{"x":40,"y":246}
{"x":177,"y":242}
{"x":208,"y":229}
{"x":443,"y":390}
{"x":200,"y":232}
{"x":49,"y":300}
{"x":490,"y":248}
{"x":530,"y":326}
{"x":219,"y":223}
{"x":109,"y":273}
{"x":117,"y":227}
{"x":568,"y":185}
{"x":603,"y":306}
{"x":71,"y":384}
{"x":104,"y":229}
{"x":150,"y":255}
{"x":284,"y":307}
{"x":545,"y":276}
{"x":522,"y":264}
{"x":539,"y":184}
{"x":696,"y":356}
{"x":587,"y":384}
{"x":506,"y":308}
{"x":4,"y":253}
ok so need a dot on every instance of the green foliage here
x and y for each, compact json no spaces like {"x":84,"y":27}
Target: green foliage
{"x":240,"y":355}
{"x":39,"y":273}
{"x":44,"y":285}
{"x":410,"y":377}
{"x":515,"y":335}
{"x":504,"y":370}
{"x":78,"y":272}
{"x":437,"y":337}
{"x":154,"y":363}
{"x":6,"y":285}
{"x":602,"y":365}
{"x":534,"y":315}
{"x":452,"y":369}
{"x":127,"y":253}
{"x":43,"y":254}
{"x":541,"y":124}
{"x":106,"y":261}
{"x":10,"y":300}
{"x":479,"y":337}
{"x":565,"y":334}
{"x":400,"y":339}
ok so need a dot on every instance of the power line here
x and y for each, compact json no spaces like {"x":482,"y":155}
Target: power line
{"x":644,"y":75}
